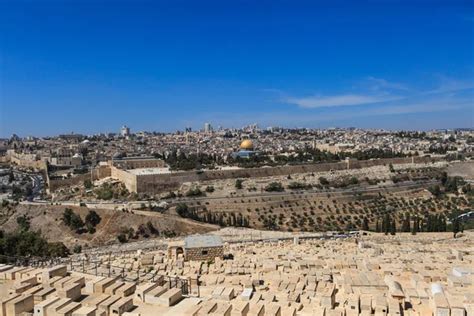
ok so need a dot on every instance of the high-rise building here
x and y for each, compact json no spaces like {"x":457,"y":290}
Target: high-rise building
{"x":207,"y":127}
{"x":125,"y":131}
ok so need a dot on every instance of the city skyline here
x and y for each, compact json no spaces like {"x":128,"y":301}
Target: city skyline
{"x":157,"y":66}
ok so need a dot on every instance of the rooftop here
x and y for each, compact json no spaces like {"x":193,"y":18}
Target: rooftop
{"x":201,"y":241}
{"x":146,"y":171}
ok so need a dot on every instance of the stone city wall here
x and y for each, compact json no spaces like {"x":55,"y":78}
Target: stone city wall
{"x":127,"y":178}
{"x":98,"y":173}
{"x":25,"y":161}
{"x":156,"y":183}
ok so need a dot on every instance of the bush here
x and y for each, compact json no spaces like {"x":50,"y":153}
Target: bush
{"x":182,"y":209}
{"x":30,"y":244}
{"x":122,"y":238}
{"x":72,"y":220}
{"x":323,"y":181}
{"x":92,"y":218}
{"x":105,"y":192}
{"x":298,"y":186}
{"x":274,"y":187}
{"x":23,"y":223}
{"x":170,"y":195}
{"x":77,"y":249}
{"x":57,"y":249}
{"x":194,"y":192}
{"x":238,"y":184}
{"x":209,"y":189}
{"x":88,"y":184}
{"x":354,"y":180}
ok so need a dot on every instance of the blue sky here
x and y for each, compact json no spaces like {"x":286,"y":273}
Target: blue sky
{"x":92,"y":66}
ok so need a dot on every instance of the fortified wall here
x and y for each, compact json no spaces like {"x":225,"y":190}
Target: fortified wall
{"x":156,"y":183}
{"x":160,"y":182}
{"x":26,"y":161}
{"x":96,"y":174}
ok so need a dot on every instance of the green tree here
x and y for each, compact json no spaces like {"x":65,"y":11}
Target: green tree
{"x":386,"y":224}
{"x":67,"y":216}
{"x":58,"y":249}
{"x":274,"y":187}
{"x":77,"y":249}
{"x":151,"y":228}
{"x":323,"y":181}
{"x":365,"y":225}
{"x":92,"y":219}
{"x":88,"y":184}
{"x":416,"y":226}
{"x":210,"y":189}
{"x":76,"y":222}
{"x":406,"y":224}
{"x":354,"y":180}
{"x":11,"y":176}
{"x":23,"y":223}
{"x":238,"y":184}
{"x":182,"y":209}
{"x":122,"y":238}
{"x":390,"y":166}
{"x":456,"y":226}
{"x":393,"y":227}
{"x":435,"y":190}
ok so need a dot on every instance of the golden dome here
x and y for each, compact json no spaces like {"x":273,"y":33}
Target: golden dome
{"x":246,"y":145}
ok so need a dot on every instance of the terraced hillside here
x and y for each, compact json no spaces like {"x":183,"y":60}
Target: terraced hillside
{"x":319,"y":211}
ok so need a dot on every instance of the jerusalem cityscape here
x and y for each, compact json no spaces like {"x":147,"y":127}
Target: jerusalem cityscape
{"x":251,"y":158}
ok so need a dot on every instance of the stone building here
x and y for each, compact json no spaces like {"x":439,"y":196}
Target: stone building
{"x":197,"y":248}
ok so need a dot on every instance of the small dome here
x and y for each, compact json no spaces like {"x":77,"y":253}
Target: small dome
{"x":246,"y":144}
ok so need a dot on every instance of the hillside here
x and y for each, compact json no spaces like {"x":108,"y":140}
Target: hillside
{"x":48,"y":219}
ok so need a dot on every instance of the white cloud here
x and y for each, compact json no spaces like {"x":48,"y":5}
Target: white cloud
{"x":373,"y":90}
{"x":378,"y":84}
{"x":451,"y":85}
{"x":339,"y":100}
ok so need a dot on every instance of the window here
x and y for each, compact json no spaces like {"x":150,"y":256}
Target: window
{"x":204,"y":252}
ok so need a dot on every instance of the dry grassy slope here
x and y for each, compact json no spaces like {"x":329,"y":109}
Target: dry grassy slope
{"x":462,"y":169}
{"x":48,"y":220}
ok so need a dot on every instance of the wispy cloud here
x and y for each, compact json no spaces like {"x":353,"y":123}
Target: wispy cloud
{"x":372,"y":90}
{"x":380,"y":84}
{"x":327,"y":118}
{"x":339,"y":100}
{"x":448,"y":84}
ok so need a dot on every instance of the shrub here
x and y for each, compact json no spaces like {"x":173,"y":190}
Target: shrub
{"x":238,"y":184}
{"x":92,"y":218}
{"x":323,"y":181}
{"x":274,"y":187}
{"x":194,"y":192}
{"x":122,"y":238}
{"x":209,"y":189}
{"x":88,"y":184}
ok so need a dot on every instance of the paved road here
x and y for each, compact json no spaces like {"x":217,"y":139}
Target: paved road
{"x":37,"y":183}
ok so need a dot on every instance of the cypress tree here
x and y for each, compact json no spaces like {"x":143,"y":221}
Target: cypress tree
{"x":365,"y":225}
{"x":386,"y":224}
{"x":456,"y":227}
{"x":393,"y":228}
{"x":415,"y":226}
{"x":406,"y":224}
